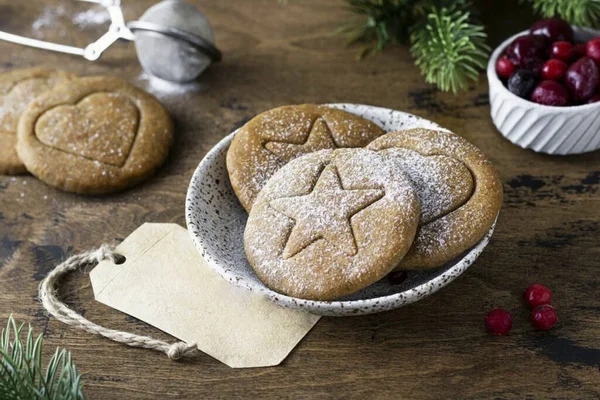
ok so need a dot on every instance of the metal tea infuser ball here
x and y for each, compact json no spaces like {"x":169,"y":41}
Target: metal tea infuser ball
{"x":173,"y":40}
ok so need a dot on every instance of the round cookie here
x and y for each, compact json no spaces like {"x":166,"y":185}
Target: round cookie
{"x":94,"y":136}
{"x":275,"y":137}
{"x":17,"y":89}
{"x":459,"y":191}
{"x":330,"y":223}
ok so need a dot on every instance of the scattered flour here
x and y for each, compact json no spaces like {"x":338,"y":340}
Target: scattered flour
{"x":91,"y":17}
{"x":58,"y":18}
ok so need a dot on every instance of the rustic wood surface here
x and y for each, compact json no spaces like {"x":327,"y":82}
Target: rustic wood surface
{"x":278,"y":54}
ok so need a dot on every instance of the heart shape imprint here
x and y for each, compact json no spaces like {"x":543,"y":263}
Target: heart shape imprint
{"x":101,"y":127}
{"x":443,"y":183}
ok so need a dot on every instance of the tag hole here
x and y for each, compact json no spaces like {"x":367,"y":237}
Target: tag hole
{"x":120,"y":259}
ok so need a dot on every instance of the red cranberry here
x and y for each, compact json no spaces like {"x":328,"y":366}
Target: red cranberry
{"x":528,"y":52}
{"x":554,"y":70}
{"x":550,"y":93}
{"x":582,"y":79}
{"x":594,"y":99}
{"x":554,"y":29}
{"x":504,"y":67}
{"x":537,"y":295}
{"x":592,"y":50}
{"x":579,"y":51}
{"x":498,"y":322}
{"x":562,"y":51}
{"x":396,"y":277}
{"x":544,"y":317}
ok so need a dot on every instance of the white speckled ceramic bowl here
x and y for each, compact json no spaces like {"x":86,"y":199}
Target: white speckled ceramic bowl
{"x":545,"y":129}
{"x":216,"y":222}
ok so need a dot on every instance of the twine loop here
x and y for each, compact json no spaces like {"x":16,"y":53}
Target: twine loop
{"x":49,"y":298}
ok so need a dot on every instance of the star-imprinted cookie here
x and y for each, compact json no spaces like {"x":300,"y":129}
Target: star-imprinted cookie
{"x":332,"y":207}
{"x":330,"y":223}
{"x":275,"y":137}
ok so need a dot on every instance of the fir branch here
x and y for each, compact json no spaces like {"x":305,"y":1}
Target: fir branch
{"x":449,"y":48}
{"x":576,"y":12}
{"x":386,"y":22}
{"x":21,"y":372}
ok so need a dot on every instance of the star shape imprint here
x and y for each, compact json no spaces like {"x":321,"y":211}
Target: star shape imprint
{"x":319,"y":138}
{"x":325,"y":214}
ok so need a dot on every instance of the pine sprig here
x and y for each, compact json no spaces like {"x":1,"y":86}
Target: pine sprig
{"x":576,"y":12}
{"x":387,"y":22}
{"x":22,"y":376}
{"x":449,"y":49}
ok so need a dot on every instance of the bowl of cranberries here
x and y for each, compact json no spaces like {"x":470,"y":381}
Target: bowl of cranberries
{"x":545,"y":88}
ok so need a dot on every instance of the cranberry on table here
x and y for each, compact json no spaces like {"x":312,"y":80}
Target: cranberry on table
{"x":592,"y":50}
{"x":544,"y":317}
{"x":528,"y":51}
{"x":579,"y":51}
{"x":562,"y":51}
{"x":582,"y":79}
{"x":397,"y":277}
{"x":554,"y":70}
{"x":537,"y":295}
{"x":522,"y":83}
{"x":498,"y":322}
{"x":504,"y":67}
{"x":554,"y":29}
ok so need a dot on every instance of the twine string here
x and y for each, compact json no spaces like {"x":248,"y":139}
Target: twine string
{"x":48,"y":294}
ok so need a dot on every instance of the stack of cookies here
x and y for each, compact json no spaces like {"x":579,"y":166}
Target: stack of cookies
{"x":335,"y":203}
{"x":92,"y":135}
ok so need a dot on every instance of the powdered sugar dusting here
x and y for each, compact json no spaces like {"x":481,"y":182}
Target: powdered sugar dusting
{"x":277,"y":136}
{"x":382,"y":231}
{"x":443,"y":183}
{"x":93,"y":16}
{"x":57,"y":18}
{"x":165,"y":89}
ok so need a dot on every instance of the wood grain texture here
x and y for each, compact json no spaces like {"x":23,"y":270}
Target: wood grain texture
{"x":278,"y":54}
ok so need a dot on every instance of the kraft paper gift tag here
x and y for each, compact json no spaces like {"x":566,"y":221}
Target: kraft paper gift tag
{"x":165,"y":282}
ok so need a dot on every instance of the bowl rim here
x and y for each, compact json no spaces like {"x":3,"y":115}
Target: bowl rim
{"x":493,"y":78}
{"x":327,"y":307}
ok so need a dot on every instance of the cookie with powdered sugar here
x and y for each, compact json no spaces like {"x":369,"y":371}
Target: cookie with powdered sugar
{"x":275,"y":137}
{"x":330,"y":223}
{"x":94,"y":136}
{"x":17,"y":89}
{"x":458,"y":187}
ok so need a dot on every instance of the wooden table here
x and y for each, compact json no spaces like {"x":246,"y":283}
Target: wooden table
{"x":278,"y":54}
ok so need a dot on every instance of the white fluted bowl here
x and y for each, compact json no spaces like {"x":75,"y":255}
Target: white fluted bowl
{"x":545,"y":129}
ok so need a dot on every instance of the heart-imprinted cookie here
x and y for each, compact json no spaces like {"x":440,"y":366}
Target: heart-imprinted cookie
{"x":17,"y":89}
{"x":443,"y":183}
{"x":94,"y":136}
{"x":331,"y":223}
{"x":459,"y":190}
{"x":275,"y":137}
{"x":100,"y":127}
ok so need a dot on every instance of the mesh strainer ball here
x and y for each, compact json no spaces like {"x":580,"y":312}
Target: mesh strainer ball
{"x":174,"y":41}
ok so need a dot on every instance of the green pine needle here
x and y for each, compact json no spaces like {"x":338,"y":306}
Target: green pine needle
{"x":450,"y":49}
{"x":386,"y":22}
{"x":576,"y":12}
{"x":21,"y":372}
